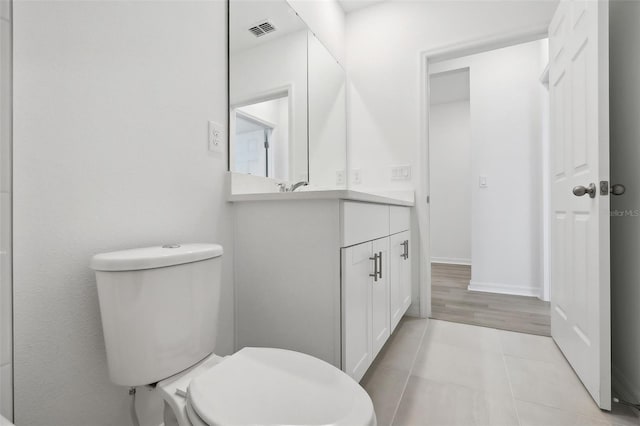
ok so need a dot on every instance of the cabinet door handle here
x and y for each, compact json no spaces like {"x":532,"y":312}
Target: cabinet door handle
{"x":380,"y":268}
{"x":375,"y":267}
{"x":406,"y":249}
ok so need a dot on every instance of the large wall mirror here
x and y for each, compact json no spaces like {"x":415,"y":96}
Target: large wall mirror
{"x":286,"y":98}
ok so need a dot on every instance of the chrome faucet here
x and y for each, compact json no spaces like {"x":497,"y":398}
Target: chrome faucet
{"x":284,"y":188}
{"x":298,"y":185}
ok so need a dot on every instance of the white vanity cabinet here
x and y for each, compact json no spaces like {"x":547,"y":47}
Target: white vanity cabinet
{"x":376,"y":280}
{"x":365,"y":304}
{"x":326,"y":277}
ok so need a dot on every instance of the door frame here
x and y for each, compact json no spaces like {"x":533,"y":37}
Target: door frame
{"x":449,"y":51}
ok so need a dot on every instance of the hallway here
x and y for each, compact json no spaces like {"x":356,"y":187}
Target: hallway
{"x":451,"y":301}
{"x":434,"y":372}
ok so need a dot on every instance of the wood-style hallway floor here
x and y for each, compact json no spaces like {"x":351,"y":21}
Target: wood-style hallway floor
{"x":451,"y":301}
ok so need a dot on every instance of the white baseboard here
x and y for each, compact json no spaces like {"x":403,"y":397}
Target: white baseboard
{"x":505,"y":289}
{"x":451,"y":260}
{"x":622,"y":387}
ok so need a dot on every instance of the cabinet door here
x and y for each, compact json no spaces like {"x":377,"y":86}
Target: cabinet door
{"x":356,"y":309}
{"x":396,"y":290}
{"x":405,"y":274}
{"x":380,"y":296}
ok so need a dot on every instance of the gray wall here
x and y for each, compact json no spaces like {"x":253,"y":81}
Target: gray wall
{"x":6,"y":355}
{"x":625,"y":227}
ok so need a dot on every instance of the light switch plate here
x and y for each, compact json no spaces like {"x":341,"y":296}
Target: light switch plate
{"x":216,"y":137}
{"x":483,"y":182}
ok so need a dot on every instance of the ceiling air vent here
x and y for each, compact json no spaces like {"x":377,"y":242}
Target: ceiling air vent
{"x":262,"y":28}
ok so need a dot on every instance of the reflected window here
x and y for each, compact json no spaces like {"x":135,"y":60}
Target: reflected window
{"x":261,"y":139}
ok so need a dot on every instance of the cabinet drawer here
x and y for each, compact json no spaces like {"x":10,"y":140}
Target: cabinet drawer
{"x":399,"y":219}
{"x":363,"y":222}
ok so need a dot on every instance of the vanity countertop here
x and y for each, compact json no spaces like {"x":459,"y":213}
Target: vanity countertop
{"x":330,"y":194}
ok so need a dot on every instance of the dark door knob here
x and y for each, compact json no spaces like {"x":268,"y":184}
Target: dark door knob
{"x":618,"y":189}
{"x":579,"y":191}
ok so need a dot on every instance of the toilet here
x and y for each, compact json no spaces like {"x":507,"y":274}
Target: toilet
{"x":159,"y":309}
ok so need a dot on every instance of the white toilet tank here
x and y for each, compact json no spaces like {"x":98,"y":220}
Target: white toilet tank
{"x":159,"y":308}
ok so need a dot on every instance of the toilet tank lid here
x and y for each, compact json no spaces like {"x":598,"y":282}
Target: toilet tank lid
{"x":154,"y":257}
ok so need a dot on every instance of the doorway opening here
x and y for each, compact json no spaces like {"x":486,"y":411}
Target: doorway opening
{"x":488,"y":149}
{"x":252,"y":145}
{"x":260,"y":137}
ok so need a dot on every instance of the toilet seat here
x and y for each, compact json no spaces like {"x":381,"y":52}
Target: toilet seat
{"x":276,"y":387}
{"x":193,"y":417}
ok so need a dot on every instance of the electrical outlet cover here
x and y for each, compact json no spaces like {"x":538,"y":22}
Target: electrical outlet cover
{"x":357,"y":176}
{"x":216,"y":137}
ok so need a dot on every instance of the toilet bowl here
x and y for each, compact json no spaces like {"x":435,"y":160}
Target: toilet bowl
{"x":159,"y":308}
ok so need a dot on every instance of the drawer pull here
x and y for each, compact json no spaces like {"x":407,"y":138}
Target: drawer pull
{"x":406,"y":249}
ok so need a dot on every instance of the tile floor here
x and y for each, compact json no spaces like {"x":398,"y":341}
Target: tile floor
{"x":434,"y":372}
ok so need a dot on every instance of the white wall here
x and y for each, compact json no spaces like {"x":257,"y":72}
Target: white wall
{"x":383,"y":48}
{"x":6,"y":323}
{"x":327,"y":118}
{"x":507,"y":132}
{"x":269,"y":68}
{"x":450,"y":177}
{"x":624,"y":69}
{"x":384,"y":43}
{"x":326,"y":19}
{"x":110,"y":135}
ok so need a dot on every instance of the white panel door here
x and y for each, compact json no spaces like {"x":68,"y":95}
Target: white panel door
{"x":356,"y":309}
{"x":380,"y":296}
{"x":580,"y":283}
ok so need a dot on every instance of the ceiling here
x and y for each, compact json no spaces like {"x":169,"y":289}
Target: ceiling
{"x":245,"y":14}
{"x":351,"y":5}
{"x":450,"y":86}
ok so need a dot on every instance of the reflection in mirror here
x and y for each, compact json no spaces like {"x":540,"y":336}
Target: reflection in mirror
{"x":262,"y":139}
{"x":268,"y":90}
{"x":327,"y":118}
